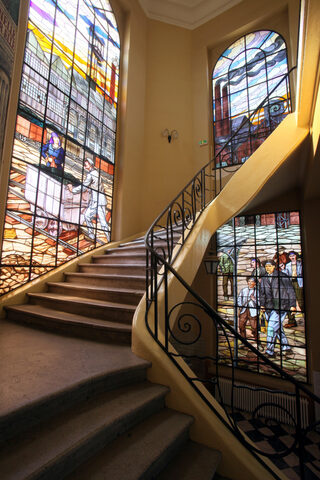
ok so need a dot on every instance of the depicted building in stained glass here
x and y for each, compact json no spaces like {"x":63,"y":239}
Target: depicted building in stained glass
{"x":61,"y":178}
{"x":250,"y":70}
{"x":260,"y":291}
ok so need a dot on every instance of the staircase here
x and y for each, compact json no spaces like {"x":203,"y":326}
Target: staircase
{"x":76,"y":403}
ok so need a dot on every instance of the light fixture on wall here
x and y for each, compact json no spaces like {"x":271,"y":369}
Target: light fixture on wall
{"x":170,"y":134}
{"x":211,"y":263}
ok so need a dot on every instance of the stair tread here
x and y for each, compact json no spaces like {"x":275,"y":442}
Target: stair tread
{"x":95,"y":288}
{"x":104,"y":275}
{"x":45,"y":312}
{"x":139,"y":259}
{"x":36,"y":364}
{"x":161,"y":238}
{"x":194,"y":462}
{"x":137,"y":451}
{"x":88,"y":301}
{"x":112,"y":412}
{"x":127,"y":247}
{"x":121,"y":265}
{"x":132,"y":254}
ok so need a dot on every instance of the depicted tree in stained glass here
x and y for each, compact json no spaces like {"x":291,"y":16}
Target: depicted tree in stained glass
{"x":246,"y":73}
{"x":61,"y":178}
{"x":260,"y":291}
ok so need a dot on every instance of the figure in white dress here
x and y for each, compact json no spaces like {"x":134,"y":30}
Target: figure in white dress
{"x":97,"y":203}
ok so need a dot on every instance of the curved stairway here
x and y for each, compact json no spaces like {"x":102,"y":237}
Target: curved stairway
{"x":75,"y":402}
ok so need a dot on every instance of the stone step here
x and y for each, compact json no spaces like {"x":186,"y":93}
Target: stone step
{"x":194,"y":462}
{"x":92,"y":308}
{"x":119,"y":295}
{"x":53,"y":450}
{"x":136,"y":258}
{"x":121,"y":269}
{"x":162,"y":237}
{"x":105,"y":280}
{"x":70,"y":323}
{"x":43,"y":373}
{"x":131,"y":248}
{"x":142,"y":452}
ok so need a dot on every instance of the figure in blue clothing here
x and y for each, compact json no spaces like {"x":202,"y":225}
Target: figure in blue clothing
{"x":52,"y":152}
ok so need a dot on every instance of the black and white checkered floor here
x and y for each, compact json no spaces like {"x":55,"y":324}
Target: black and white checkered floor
{"x":275,"y":437}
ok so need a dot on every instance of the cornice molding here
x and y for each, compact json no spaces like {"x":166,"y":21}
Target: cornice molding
{"x":188,"y":14}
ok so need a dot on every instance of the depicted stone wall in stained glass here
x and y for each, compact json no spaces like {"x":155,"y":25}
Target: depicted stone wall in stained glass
{"x":61,"y":178}
{"x":260,"y":290}
{"x":246,"y":73}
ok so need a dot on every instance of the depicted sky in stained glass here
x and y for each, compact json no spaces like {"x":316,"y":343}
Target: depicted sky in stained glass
{"x":253,"y":60}
{"x":55,"y":28}
{"x":251,"y":95}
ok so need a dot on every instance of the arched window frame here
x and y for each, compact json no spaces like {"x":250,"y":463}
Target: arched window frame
{"x":225,"y":125}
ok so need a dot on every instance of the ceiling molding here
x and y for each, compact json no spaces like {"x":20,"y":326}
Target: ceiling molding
{"x":185,"y":13}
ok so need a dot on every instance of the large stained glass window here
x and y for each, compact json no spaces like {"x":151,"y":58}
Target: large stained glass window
{"x":251,"y":70}
{"x":260,"y":291}
{"x":61,"y":179}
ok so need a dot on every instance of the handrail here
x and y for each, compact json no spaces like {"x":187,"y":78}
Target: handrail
{"x":163,"y":241}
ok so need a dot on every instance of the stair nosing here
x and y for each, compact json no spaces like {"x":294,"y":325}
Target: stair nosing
{"x":105,"y":275}
{"x":117,"y":265}
{"x":74,"y":318}
{"x":87,"y":301}
{"x":97,"y":288}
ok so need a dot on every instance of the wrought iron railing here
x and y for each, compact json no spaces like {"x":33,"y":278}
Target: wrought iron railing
{"x":183,"y":329}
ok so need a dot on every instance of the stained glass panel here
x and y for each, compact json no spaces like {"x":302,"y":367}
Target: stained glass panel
{"x":61,"y":178}
{"x":260,"y":290}
{"x":243,"y":78}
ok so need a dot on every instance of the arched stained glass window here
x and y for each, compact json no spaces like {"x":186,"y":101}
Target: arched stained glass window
{"x":248,"y":75}
{"x":61,"y":178}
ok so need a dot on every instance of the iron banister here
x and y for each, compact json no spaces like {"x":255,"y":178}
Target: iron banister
{"x":164,"y":240}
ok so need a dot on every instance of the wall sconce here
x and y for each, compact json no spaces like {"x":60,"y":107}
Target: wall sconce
{"x":170,"y":135}
{"x":211,"y":263}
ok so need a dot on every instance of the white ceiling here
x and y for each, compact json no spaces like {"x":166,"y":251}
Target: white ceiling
{"x":185,"y":13}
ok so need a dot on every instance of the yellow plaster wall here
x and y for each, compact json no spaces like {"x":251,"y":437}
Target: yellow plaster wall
{"x":131,"y":120}
{"x":178,"y":92}
{"x":168,"y":86}
{"x":309,"y":53}
{"x":167,"y":166}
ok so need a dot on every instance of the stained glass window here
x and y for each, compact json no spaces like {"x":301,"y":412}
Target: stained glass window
{"x":260,"y":291}
{"x":248,"y":75}
{"x":61,"y":178}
